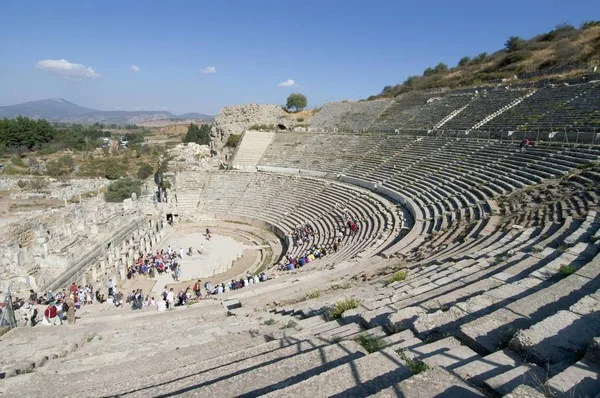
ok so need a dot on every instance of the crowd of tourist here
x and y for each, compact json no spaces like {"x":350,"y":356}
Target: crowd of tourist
{"x":60,"y":307}
{"x":163,"y":261}
{"x":305,"y":235}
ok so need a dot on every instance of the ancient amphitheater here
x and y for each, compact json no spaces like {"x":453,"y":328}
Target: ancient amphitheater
{"x":474,"y":271}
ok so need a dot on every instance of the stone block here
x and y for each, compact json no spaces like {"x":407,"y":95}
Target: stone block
{"x":232,"y":304}
{"x":435,"y":382}
{"x":593,"y":351}
{"x":558,"y":338}
{"x":579,"y":380}
{"x":403,"y":319}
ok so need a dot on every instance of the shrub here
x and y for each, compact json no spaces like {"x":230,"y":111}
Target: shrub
{"x":313,"y":294}
{"x":514,"y":43}
{"x":120,"y":190}
{"x":17,"y":161}
{"x":144,"y":171}
{"x":567,"y":270}
{"x":56,"y":169}
{"x":397,"y":277}
{"x":415,"y":366}
{"x":38,"y":184}
{"x":370,"y":343}
{"x":464,"y":61}
{"x":66,"y":161}
{"x":267,"y":127}
{"x":270,"y":322}
{"x":514,"y":57}
{"x":291,"y":324}
{"x":233,"y":140}
{"x":114,"y":170}
{"x":343,"y":305}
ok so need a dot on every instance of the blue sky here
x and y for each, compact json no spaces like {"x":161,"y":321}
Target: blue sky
{"x":332,"y":50}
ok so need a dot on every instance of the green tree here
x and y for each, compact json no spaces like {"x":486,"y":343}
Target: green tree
{"x":144,"y":171}
{"x":296,"y":101}
{"x":480,"y":58}
{"x":199,"y":135}
{"x":120,"y":190}
{"x":464,"y":61}
{"x":441,"y":68}
{"x":514,"y":43}
{"x":387,"y":89}
{"x":411,"y":81}
{"x":428,"y":72}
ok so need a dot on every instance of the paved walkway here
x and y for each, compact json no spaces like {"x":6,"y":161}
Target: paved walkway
{"x":218,"y":256}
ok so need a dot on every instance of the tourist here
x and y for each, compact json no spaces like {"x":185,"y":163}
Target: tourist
{"x":198,"y":289}
{"x":69,"y":304}
{"x":28,"y":312}
{"x":161,"y":305}
{"x":181,"y":253}
{"x":201,"y":251}
{"x":50,"y":316}
{"x":111,"y":287}
{"x":170,"y":299}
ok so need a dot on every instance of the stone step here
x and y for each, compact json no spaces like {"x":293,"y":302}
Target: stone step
{"x":257,"y":376}
{"x":448,"y":353}
{"x":562,"y":336}
{"x":501,"y":372}
{"x":581,"y":379}
{"x":117,"y":380}
{"x":359,"y":378}
{"x":433,"y":383}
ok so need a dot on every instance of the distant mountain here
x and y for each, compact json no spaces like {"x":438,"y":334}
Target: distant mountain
{"x":195,"y":115}
{"x":61,"y":110}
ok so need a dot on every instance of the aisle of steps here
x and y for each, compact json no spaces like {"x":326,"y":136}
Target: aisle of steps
{"x":267,"y":354}
{"x":251,"y":148}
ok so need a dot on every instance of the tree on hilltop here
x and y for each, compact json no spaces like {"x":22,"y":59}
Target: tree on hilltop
{"x":296,"y":101}
{"x":464,"y":61}
{"x":514,"y":43}
{"x":440,"y":68}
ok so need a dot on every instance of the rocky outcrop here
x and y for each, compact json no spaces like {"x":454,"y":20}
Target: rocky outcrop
{"x":236,"y":119}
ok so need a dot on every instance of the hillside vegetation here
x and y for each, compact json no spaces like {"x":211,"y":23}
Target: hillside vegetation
{"x":565,"y":50}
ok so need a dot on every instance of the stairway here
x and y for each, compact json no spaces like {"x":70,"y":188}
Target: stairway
{"x":251,"y":149}
{"x":451,"y":116}
{"x":501,"y":111}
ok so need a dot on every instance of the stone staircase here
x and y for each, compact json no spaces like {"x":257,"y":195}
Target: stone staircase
{"x":452,"y":115}
{"x":251,"y":148}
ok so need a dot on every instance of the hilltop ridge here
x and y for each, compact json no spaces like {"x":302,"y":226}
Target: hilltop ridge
{"x":565,"y":51}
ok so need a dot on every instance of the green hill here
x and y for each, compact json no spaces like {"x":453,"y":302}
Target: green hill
{"x":565,"y":50}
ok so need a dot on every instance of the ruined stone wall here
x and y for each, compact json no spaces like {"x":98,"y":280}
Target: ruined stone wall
{"x":236,"y":119}
{"x":48,"y":249}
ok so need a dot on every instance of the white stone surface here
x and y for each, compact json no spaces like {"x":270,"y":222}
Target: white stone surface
{"x":219,"y":254}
